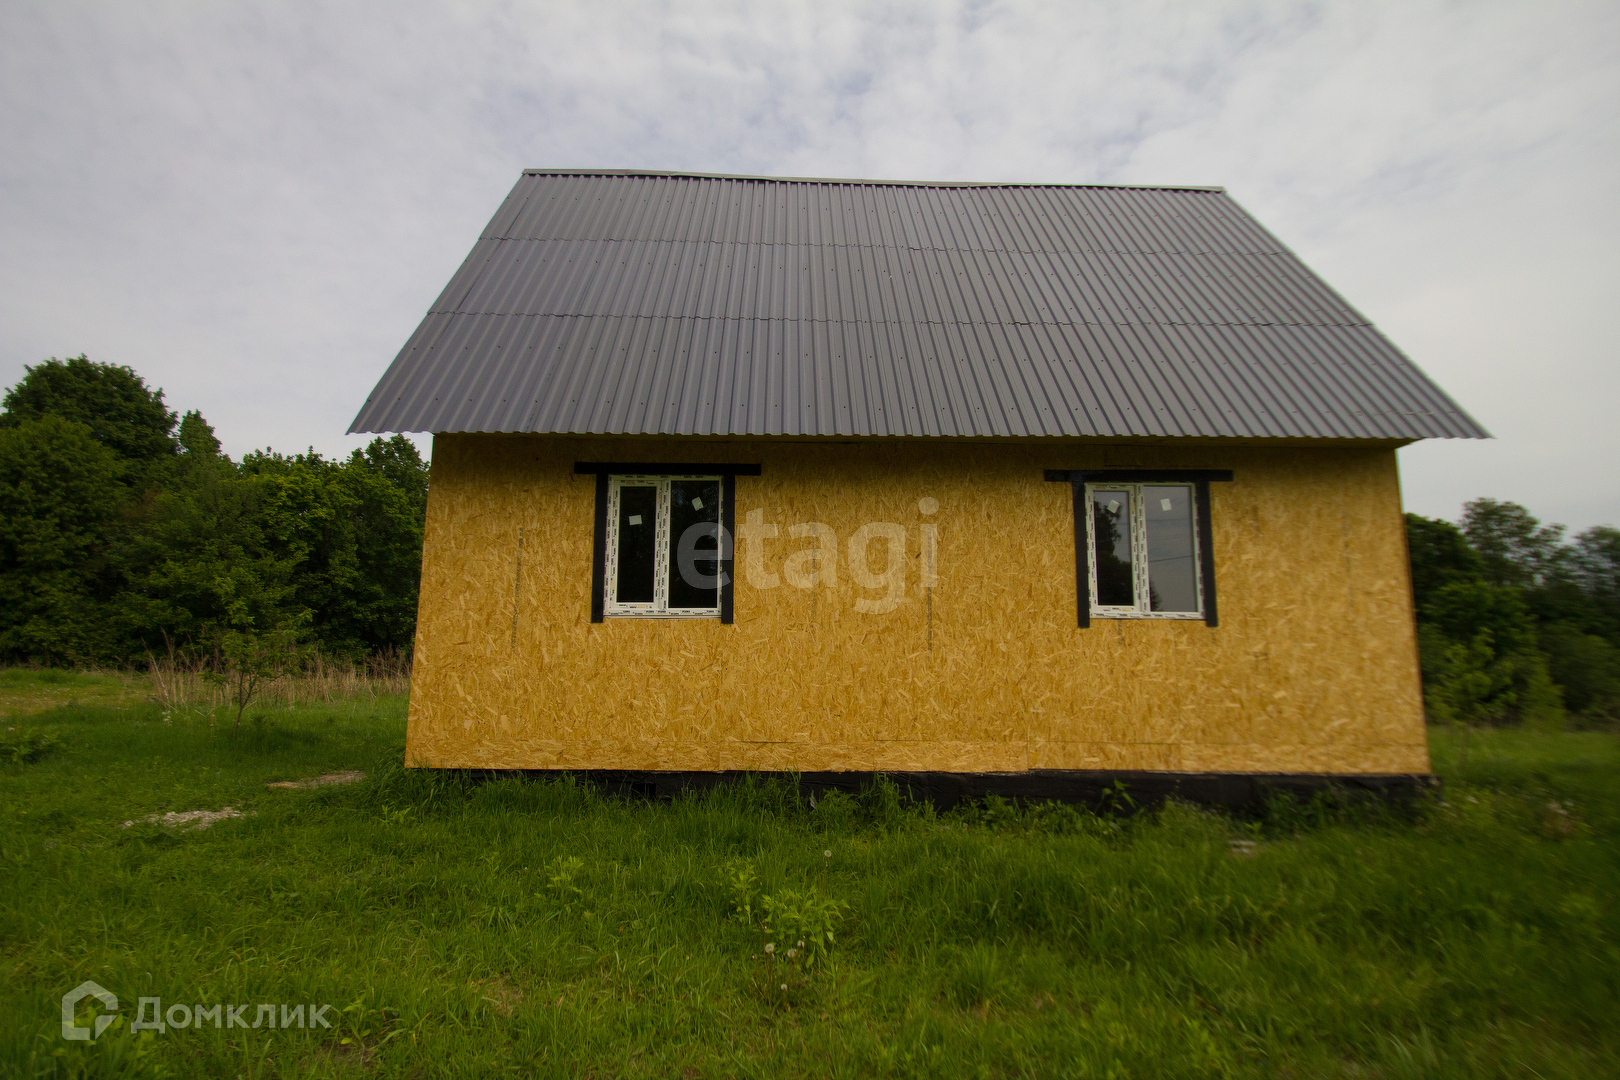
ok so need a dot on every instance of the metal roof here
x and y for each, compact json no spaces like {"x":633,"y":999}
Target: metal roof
{"x":617,"y":302}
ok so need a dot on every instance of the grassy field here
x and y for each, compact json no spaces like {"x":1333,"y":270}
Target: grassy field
{"x":23,"y":692}
{"x":476,"y":927}
{"x":188,"y":689}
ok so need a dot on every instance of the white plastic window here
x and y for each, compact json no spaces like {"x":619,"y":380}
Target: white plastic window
{"x":663,"y":547}
{"x":1143,"y":545}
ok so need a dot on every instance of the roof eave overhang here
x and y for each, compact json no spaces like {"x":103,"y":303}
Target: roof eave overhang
{"x":1043,"y":440}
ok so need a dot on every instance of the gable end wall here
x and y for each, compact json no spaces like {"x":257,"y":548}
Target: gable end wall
{"x":1313,"y":668}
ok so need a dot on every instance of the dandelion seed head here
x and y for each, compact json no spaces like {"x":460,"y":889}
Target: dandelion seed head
{"x":770,"y":948}
{"x":784,"y":986}
{"x":827,"y":854}
{"x":791,"y":953}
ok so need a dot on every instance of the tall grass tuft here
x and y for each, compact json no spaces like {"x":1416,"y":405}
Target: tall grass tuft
{"x":181,"y":682}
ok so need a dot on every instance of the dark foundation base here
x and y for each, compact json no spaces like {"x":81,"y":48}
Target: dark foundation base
{"x":1096,"y":789}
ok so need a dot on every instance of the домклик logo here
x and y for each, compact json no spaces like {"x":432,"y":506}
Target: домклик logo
{"x":70,"y":1003}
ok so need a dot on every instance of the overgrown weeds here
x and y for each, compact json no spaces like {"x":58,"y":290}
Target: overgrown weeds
{"x":21,"y":746}
{"x":196,"y":682}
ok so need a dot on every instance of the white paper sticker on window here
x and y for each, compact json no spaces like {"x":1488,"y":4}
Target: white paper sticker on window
{"x":1113,"y":506}
{"x":1164,"y":504}
{"x":635,"y":519}
{"x":697,"y":504}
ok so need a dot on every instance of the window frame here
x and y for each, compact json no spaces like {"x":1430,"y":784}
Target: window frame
{"x":1085,"y":559}
{"x":658,"y":608}
{"x":605,"y":470}
{"x":1141,"y":585}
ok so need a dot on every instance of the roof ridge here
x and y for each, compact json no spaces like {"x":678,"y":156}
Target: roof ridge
{"x":1278,"y":250}
{"x":867,"y":183}
{"x":1252,"y":325}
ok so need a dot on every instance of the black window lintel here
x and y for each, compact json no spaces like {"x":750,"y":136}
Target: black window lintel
{"x":1138,"y":476}
{"x":663,"y":468}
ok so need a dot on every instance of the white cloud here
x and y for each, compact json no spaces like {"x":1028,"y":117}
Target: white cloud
{"x":253,"y":205}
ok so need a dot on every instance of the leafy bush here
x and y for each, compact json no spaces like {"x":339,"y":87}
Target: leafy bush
{"x":1588,"y":668}
{"x":742,"y":885}
{"x":560,"y":881}
{"x":803,"y":922}
{"x":21,"y":747}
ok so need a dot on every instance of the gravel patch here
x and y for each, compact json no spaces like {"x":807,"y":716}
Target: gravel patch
{"x":191,"y":819}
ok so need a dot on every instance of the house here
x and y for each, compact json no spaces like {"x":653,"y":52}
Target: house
{"x":1004,"y":487}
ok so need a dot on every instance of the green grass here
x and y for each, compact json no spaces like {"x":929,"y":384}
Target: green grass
{"x":31,"y":690}
{"x":464,"y":927}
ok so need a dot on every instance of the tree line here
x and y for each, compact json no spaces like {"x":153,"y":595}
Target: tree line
{"x":126,"y":534}
{"x":1514,"y":622}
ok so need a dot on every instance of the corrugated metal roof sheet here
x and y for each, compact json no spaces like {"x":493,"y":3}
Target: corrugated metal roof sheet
{"x":628,"y":303}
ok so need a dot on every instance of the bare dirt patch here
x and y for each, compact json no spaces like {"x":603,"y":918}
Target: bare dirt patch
{"x":500,"y":993}
{"x":353,"y":776}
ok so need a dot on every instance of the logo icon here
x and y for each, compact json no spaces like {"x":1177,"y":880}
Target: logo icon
{"x":70,"y":1003}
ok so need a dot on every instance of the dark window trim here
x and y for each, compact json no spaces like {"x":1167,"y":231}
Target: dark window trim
{"x":728,"y":517}
{"x":1206,"y":552}
{"x":1199,"y":478}
{"x":664,"y":468}
{"x":1137,"y":476}
{"x":599,"y":550}
{"x":728,"y":522}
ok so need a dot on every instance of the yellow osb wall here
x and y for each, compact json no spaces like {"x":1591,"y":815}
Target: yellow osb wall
{"x":1312,"y":669}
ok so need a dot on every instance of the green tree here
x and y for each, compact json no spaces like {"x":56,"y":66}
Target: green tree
{"x":1440,"y":556}
{"x":205,"y":562}
{"x":354,"y":532}
{"x":114,"y":403}
{"x":390,"y":512}
{"x":1482,"y":661}
{"x":1464,"y":608}
{"x":1516,"y":548}
{"x":126,"y":531}
{"x":378,"y":611}
{"x":1465,"y":682}
{"x":1595,"y":568}
{"x":397,"y":461}
{"x":253,"y":657}
{"x":1587,"y":668}
{"x":1513,"y":622}
{"x":197,"y":439}
{"x":60,"y":501}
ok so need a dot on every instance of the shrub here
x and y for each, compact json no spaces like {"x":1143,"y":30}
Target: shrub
{"x":21,"y":747}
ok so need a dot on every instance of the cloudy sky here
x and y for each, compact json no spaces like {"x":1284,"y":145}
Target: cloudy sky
{"x":253,"y":205}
